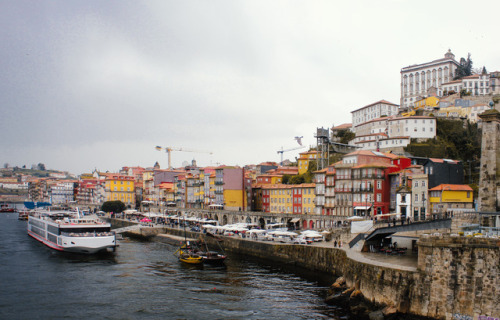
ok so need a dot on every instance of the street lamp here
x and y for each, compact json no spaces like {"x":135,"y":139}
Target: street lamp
{"x":441,"y":199}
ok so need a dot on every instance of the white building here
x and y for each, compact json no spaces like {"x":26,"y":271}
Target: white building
{"x":389,"y":133}
{"x":373,"y":111}
{"x":319,"y":200}
{"x":415,"y":127}
{"x":62,"y":192}
{"x":476,"y":85}
{"x":422,"y":79}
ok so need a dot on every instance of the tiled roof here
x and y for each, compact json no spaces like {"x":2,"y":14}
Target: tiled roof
{"x":342,"y":126}
{"x":452,"y":187}
{"x":375,"y":103}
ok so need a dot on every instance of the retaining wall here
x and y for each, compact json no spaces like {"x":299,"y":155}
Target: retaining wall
{"x":456,"y":277}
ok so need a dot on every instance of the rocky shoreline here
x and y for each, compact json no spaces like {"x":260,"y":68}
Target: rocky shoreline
{"x":358,"y":307}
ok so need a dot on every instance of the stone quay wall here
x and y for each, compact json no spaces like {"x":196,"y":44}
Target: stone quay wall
{"x":457,"y":277}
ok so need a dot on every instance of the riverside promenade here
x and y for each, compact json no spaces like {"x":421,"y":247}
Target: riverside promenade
{"x":452,"y":277}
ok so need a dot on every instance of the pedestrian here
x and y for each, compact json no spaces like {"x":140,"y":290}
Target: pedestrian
{"x":335,"y":244}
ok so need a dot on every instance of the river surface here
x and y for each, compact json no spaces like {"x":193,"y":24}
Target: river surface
{"x":144,"y":280}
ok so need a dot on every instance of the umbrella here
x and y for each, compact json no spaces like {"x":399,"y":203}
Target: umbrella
{"x":145,"y":220}
{"x":355,"y":218}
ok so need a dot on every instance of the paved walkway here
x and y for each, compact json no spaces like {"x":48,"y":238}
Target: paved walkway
{"x":407,"y":262}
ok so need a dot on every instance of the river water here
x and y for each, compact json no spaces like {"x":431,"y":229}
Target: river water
{"x":144,"y":280}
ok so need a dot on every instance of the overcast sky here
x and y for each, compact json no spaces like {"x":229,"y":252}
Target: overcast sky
{"x":99,"y":84}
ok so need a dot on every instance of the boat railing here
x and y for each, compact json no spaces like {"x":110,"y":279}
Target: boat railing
{"x":88,"y":234}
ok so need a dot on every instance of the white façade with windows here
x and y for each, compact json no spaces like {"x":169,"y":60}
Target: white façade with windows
{"x":373,"y":111}
{"x":416,"y":127}
{"x":394,"y":132}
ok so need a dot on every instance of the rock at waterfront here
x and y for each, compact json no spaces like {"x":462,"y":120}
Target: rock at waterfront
{"x":376,"y":315}
{"x":389,"y":310}
{"x":337,"y":299}
{"x":348,"y":291}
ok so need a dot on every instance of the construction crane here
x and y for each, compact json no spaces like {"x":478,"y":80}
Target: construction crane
{"x":282,"y":151}
{"x":169,"y":150}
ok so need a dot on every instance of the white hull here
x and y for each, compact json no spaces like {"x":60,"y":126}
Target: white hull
{"x":72,"y":235}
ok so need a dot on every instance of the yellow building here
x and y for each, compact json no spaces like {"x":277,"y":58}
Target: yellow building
{"x":450,"y":196}
{"x":269,"y":179}
{"x":119,"y":187}
{"x":304,"y":159}
{"x":234,"y":199}
{"x":453,"y":112}
{"x":308,"y":197}
{"x":432,"y":102}
{"x":280,"y":198}
{"x":167,"y":193}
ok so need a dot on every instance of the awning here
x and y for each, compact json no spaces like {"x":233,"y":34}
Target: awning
{"x":295,"y":220}
{"x":386,"y":215}
{"x":362,"y":208}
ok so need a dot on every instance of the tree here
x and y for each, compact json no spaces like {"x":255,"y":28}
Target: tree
{"x":454,"y":140}
{"x":113,"y":206}
{"x":345,"y":135}
{"x":464,"y":69}
{"x":286,"y":179}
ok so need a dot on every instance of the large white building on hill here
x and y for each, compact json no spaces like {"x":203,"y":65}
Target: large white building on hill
{"x":425,"y":79}
{"x":373,"y":111}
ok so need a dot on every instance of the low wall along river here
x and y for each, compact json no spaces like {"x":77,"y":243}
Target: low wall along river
{"x":456,"y":278}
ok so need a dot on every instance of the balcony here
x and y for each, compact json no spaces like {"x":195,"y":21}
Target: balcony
{"x":218,"y":183}
{"x":343,"y":189}
{"x":363,"y":189}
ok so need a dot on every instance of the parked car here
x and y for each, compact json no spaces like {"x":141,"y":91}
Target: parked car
{"x":300,"y":240}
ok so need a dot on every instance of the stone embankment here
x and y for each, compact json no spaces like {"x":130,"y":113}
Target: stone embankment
{"x":457,"y":277}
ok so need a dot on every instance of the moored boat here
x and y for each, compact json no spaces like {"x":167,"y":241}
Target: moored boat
{"x":213,"y":257}
{"x":187,"y":255}
{"x":70,"y":231}
{"x":23,"y":215}
{"x":210,"y":256}
{"x":4,"y":207}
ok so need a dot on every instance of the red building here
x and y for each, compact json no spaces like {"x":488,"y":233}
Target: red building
{"x":362,"y":182}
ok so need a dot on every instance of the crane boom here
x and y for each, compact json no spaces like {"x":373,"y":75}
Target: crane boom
{"x":282,"y":151}
{"x":169,"y":150}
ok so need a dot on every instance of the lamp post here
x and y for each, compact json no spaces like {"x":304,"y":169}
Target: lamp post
{"x":441,"y":200}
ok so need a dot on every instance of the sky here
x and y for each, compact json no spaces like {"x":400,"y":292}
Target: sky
{"x":90,"y":85}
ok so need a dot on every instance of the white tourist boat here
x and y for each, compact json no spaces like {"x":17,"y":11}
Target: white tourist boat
{"x":71,"y":231}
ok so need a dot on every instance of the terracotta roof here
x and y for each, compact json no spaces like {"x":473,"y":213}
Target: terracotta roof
{"x":411,"y":117}
{"x":452,"y":82}
{"x":376,"y":120}
{"x":375,"y":165}
{"x":342,"y":126}
{"x":381,"y":101}
{"x":452,"y":187}
{"x":443,"y":160}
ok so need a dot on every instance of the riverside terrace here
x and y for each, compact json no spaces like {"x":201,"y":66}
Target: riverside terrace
{"x":294,"y":221}
{"x":439,"y":281}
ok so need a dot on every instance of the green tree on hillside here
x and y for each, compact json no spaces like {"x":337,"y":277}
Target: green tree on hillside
{"x":464,"y":69}
{"x":454,"y":140}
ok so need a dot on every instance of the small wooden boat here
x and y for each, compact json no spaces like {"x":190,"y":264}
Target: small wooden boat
{"x":190,"y":258}
{"x":186,"y":255}
{"x":23,"y":215}
{"x":6,"y":208}
{"x":213,"y":257}
{"x":210,"y":256}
